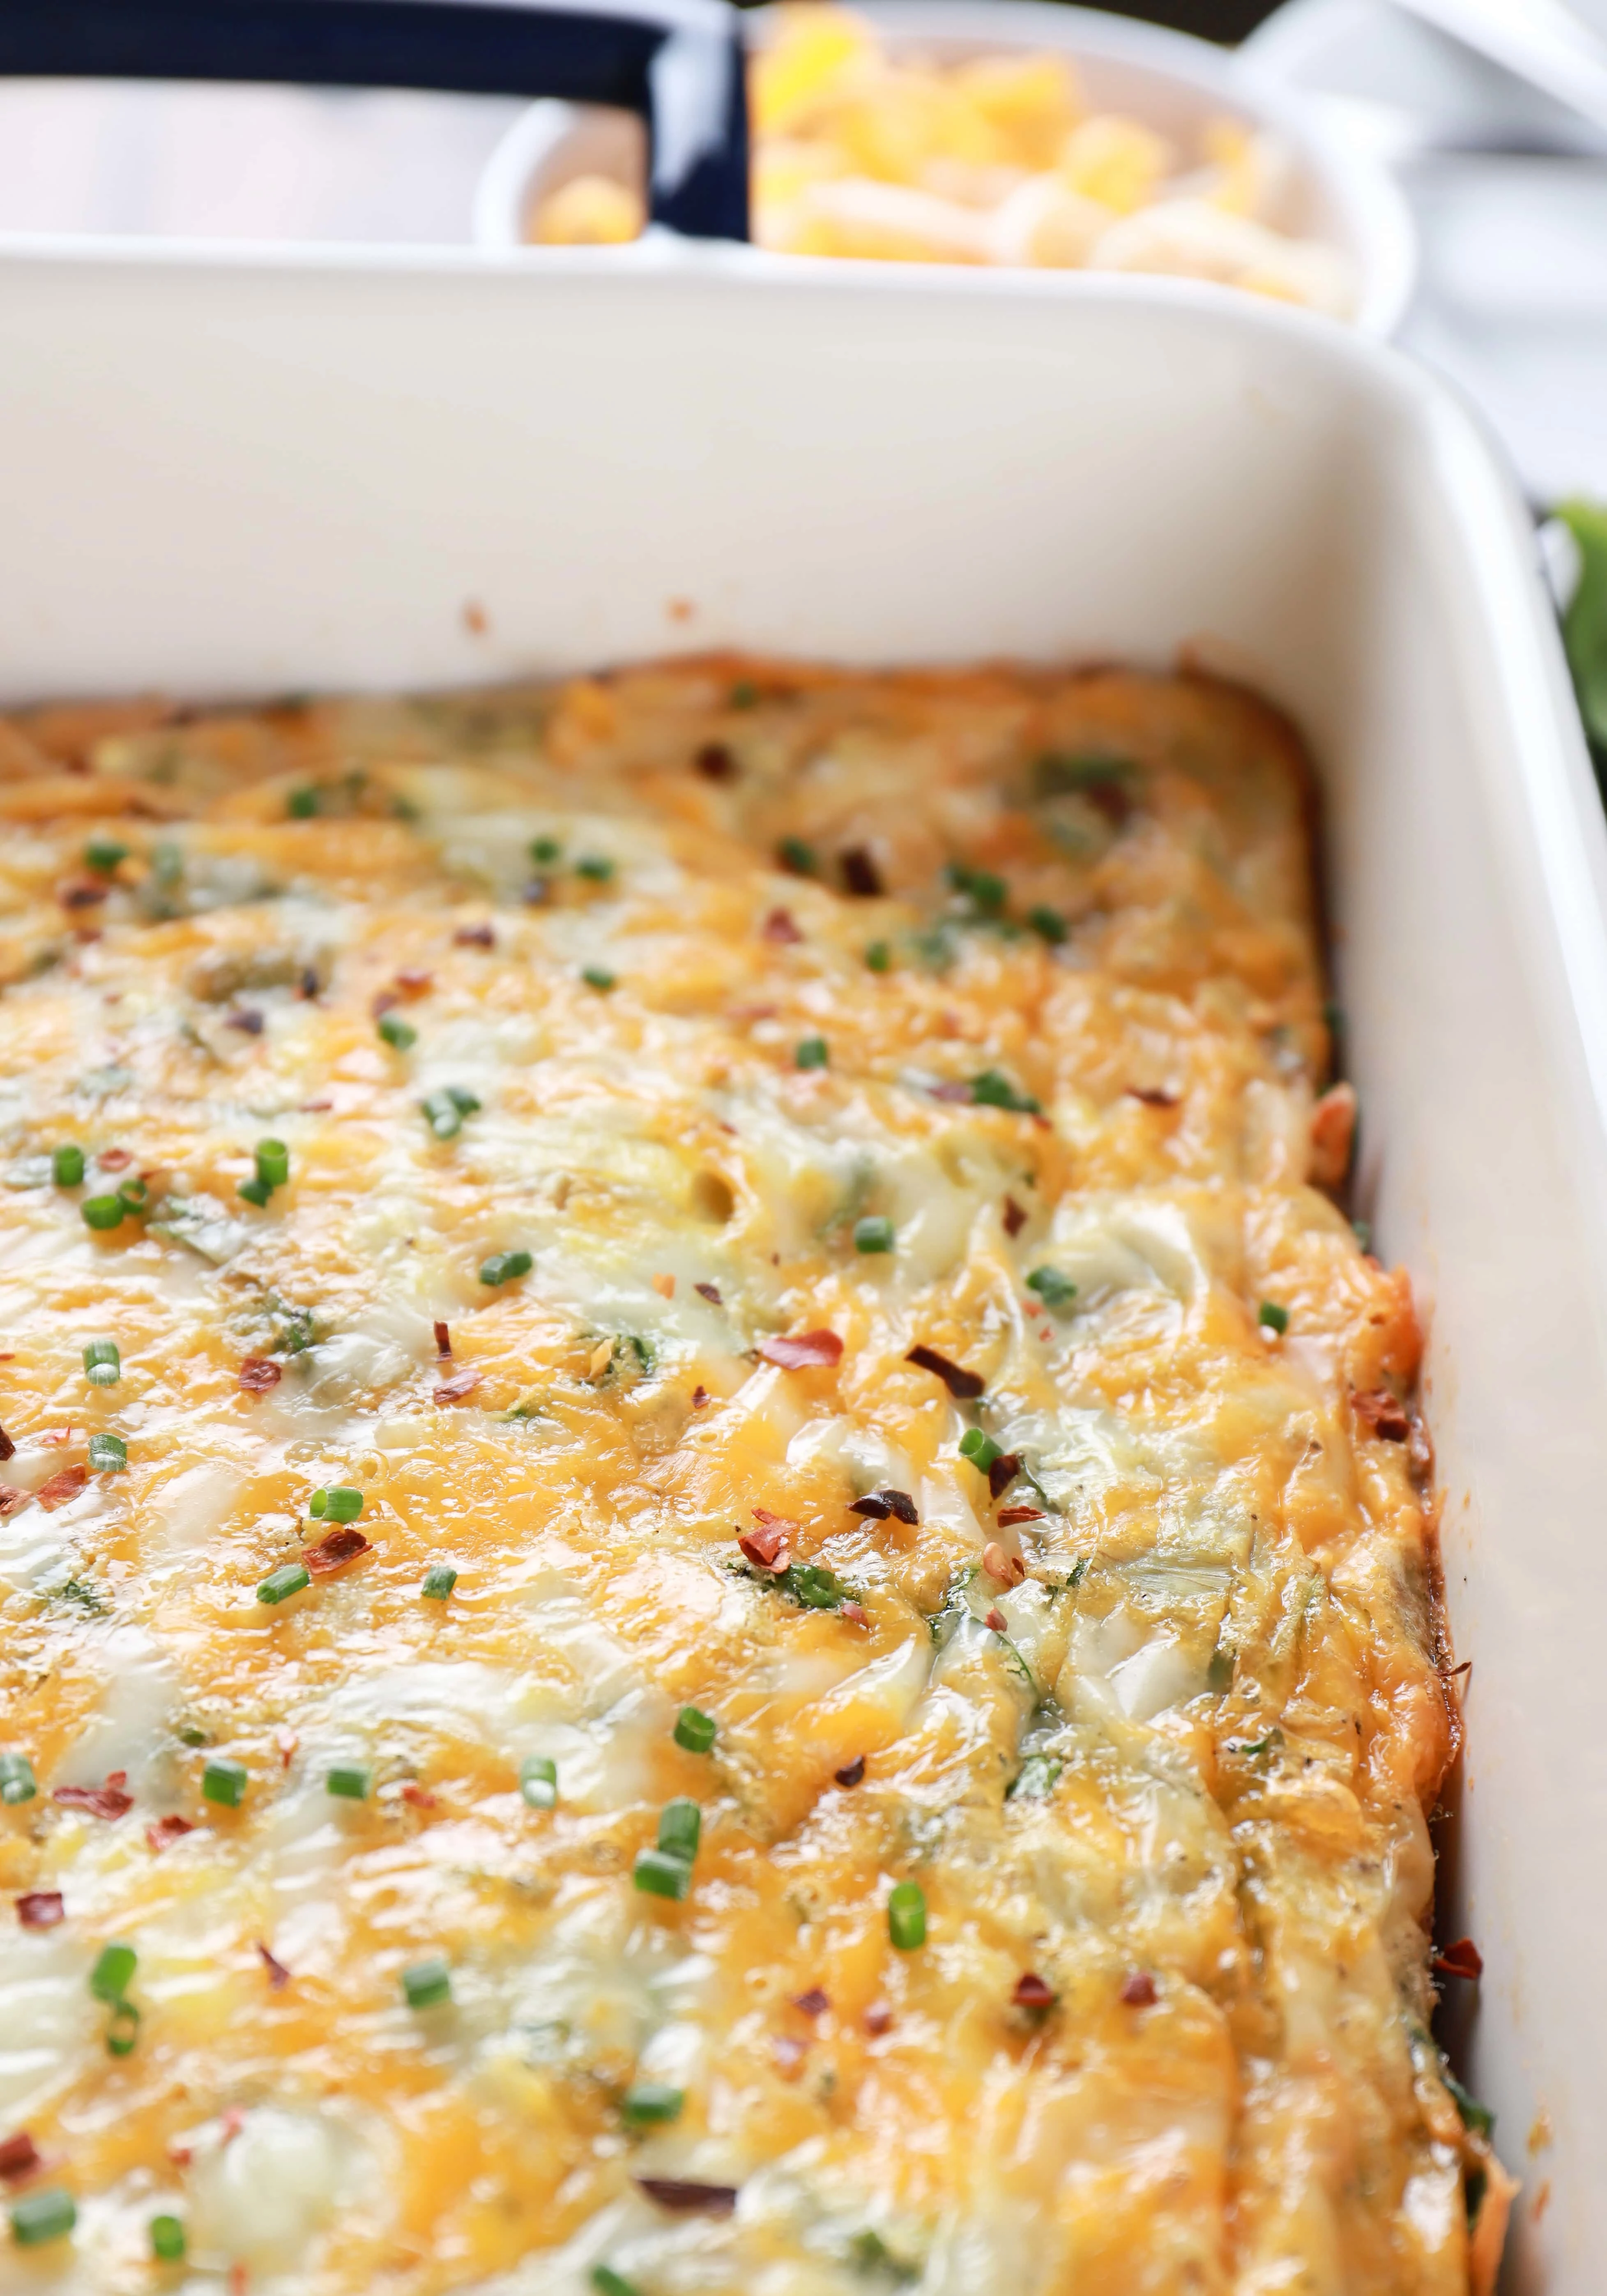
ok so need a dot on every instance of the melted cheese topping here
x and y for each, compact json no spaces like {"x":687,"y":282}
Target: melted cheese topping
{"x":1154,"y":1718}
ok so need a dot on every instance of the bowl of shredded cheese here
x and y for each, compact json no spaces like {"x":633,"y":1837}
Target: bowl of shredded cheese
{"x":988,"y":133}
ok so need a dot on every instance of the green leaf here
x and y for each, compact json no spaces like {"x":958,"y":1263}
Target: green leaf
{"x":1585,"y":623}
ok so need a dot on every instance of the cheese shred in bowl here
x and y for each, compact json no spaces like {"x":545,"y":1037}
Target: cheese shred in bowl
{"x":885,"y":152}
{"x":753,"y":1606}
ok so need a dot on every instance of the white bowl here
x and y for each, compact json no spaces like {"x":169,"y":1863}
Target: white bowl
{"x":1340,"y":194}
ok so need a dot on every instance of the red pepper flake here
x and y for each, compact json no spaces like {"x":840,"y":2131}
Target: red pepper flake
{"x":860,"y":876}
{"x":878,"y":2018}
{"x":964,"y":1386}
{"x":1138,"y":1990}
{"x":65,"y":1484}
{"x":872,"y":1505}
{"x":11,"y":1499}
{"x":955,"y":1090}
{"x":57,"y":1438}
{"x":1151,"y":1097}
{"x":851,"y":1774}
{"x":710,"y":1291}
{"x":815,"y":2003}
{"x":716,"y":763}
{"x":900,"y":1505}
{"x":1378,"y":1409}
{"x":415,"y":983}
{"x":20,"y":2156}
{"x":804,"y":1351}
{"x":166,"y":1832}
{"x":80,"y":896}
{"x":1462,"y":1959}
{"x":996,"y":1621}
{"x":700,"y":1396}
{"x":8,"y":1449}
{"x":855,"y":1613}
{"x":1002,"y":1472}
{"x":334,"y":1552}
{"x":110,"y":1801}
{"x":239,"y":2282}
{"x":278,"y":1976}
{"x":781,"y":926}
{"x":443,"y":1341}
{"x":115,"y":1160}
{"x":41,"y":1909}
{"x":681,"y":2197}
{"x":315,"y":1107}
{"x":258,"y":1373}
{"x":765,"y":1548}
{"x":417,"y":1798}
{"x":999,"y":1564}
{"x":1033,"y":1991}
{"x":246,"y":1019}
{"x":474,"y":936}
{"x":1014,"y":1217}
{"x":287,"y":1742}
{"x":454,"y":1388}
{"x":1015,"y":1515}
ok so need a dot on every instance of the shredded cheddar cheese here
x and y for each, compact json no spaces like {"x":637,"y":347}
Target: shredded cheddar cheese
{"x":656,"y":1665}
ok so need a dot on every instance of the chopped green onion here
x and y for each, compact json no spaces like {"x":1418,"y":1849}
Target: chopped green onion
{"x":545,"y":851}
{"x":102,"y":1364}
{"x":339,"y":1504}
{"x":992,"y":1090}
{"x":273,"y":1162}
{"x":980,"y":1449}
{"x":695,"y":1730}
{"x":439,"y":1580}
{"x":596,"y":867}
{"x":1048,"y":925}
{"x":225,"y":1782}
{"x":873,"y":1234}
{"x":986,"y":893}
{"x":42,"y":2217}
{"x":649,"y":2104}
{"x":301,"y":804}
{"x":605,"y":2280}
{"x":103,"y":1211}
{"x":349,"y":1780}
{"x":17,"y":1779}
{"x":539,"y":1780}
{"x":110,"y":1978}
{"x":1271,"y":1317}
{"x":427,"y":1984}
{"x":102,"y":854}
{"x":256,"y":1190}
{"x":1363,"y":1231}
{"x":1053,"y":1289}
{"x":107,"y":1455}
{"x":169,"y":2244}
{"x":445,"y":1111}
{"x":814,"y":1586}
{"x":400,"y":1035}
{"x":288,"y":1579}
{"x":1475,"y":2116}
{"x":503,"y":1267}
{"x":122,"y":2028}
{"x":1035,"y":1780}
{"x":661,"y":1874}
{"x":680,"y":1828}
{"x":67,"y":1165}
{"x":744,"y":694}
{"x":907,"y":1916}
{"x":598,"y":976}
{"x":879,"y":956}
{"x":797,"y":857}
{"x":811,"y":1053}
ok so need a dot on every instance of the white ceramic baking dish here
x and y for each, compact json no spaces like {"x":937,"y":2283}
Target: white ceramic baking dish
{"x":240,"y":477}
{"x":1338,"y":191}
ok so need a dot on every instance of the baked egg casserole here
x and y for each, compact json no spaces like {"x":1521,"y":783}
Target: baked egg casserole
{"x":717,"y":1563}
